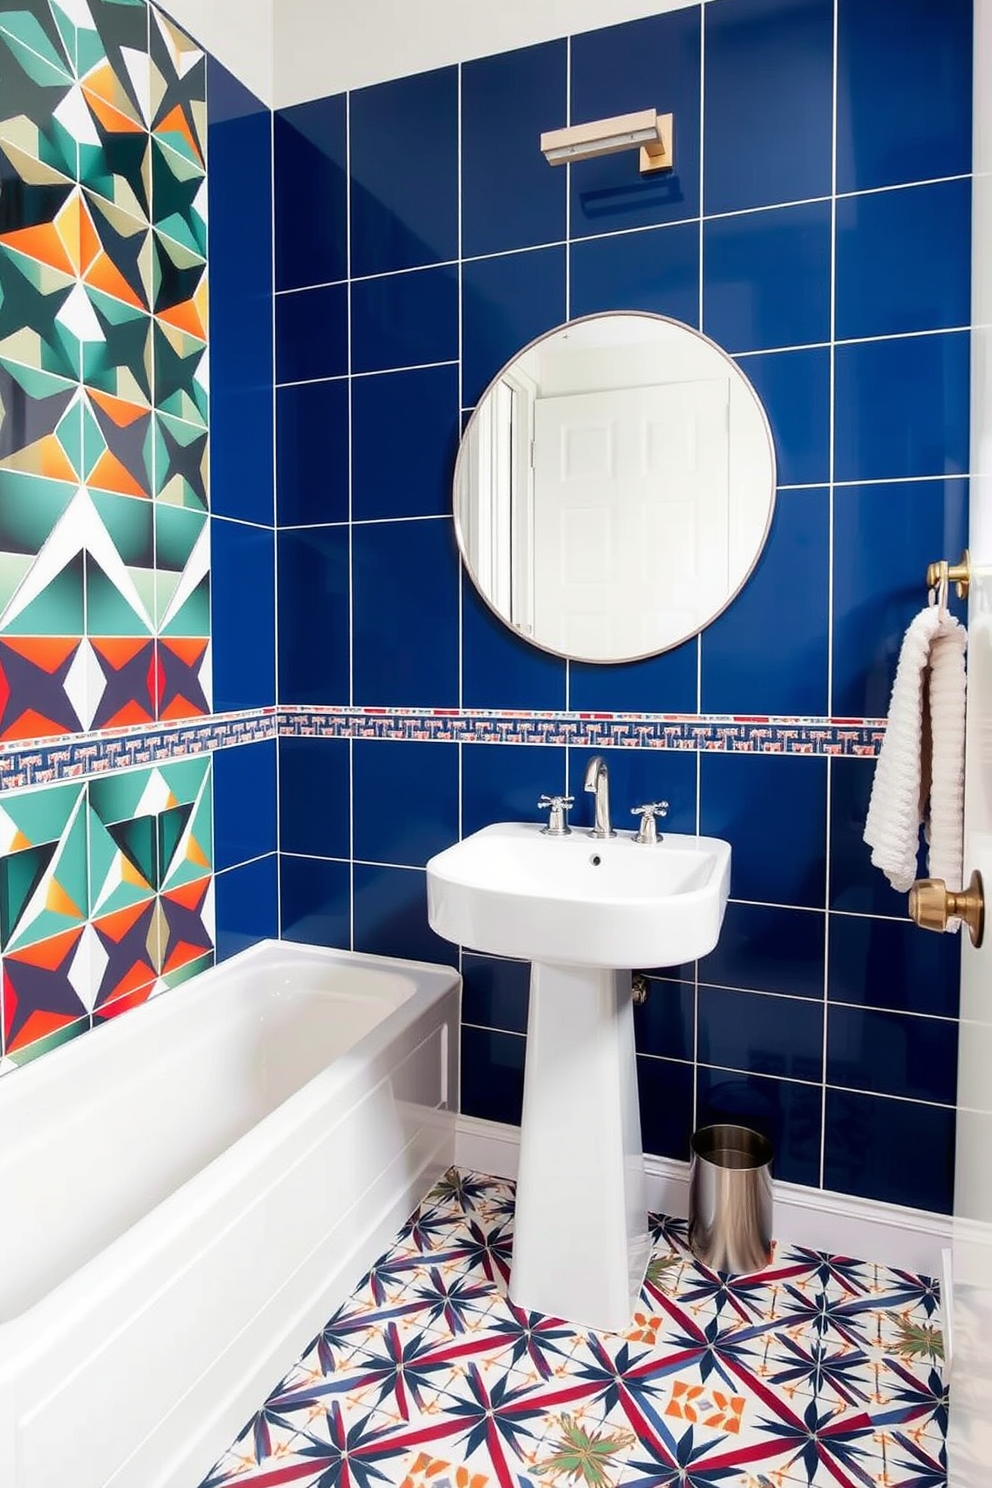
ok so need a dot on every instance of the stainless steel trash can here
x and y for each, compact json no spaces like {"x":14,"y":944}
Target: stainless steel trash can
{"x":730,"y":1199}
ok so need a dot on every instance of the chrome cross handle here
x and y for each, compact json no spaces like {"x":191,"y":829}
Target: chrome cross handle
{"x":648,"y":830}
{"x":557,"y":805}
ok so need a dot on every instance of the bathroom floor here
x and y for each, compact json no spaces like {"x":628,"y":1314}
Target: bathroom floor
{"x":822,"y":1370}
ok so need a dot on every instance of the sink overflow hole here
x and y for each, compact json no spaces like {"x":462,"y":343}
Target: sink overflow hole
{"x":595,"y":860}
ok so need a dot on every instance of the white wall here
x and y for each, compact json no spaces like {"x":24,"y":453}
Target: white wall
{"x":237,"y":32}
{"x":324,"y":48}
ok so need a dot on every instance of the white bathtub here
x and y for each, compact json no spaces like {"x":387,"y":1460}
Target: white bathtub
{"x":188,"y":1193}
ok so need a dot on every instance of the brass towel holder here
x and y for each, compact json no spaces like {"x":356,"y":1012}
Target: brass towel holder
{"x":941,"y":575}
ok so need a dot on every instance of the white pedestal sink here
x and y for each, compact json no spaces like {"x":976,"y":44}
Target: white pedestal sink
{"x":583,"y":911}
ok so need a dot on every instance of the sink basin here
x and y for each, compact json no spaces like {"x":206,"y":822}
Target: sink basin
{"x":512,"y":890}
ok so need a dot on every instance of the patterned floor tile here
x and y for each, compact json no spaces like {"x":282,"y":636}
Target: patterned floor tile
{"x":819,"y":1372}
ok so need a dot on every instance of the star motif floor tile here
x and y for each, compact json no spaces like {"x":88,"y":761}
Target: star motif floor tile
{"x":819,"y":1372}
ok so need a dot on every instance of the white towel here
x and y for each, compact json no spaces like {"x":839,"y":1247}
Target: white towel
{"x":919,"y":777}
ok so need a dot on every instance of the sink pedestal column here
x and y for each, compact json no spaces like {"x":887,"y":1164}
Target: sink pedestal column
{"x":581,"y":1237}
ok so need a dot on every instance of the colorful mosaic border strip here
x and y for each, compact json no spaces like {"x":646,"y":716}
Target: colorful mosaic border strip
{"x":47,"y":761}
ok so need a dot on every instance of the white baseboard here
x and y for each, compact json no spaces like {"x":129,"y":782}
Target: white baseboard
{"x":909,"y":1239}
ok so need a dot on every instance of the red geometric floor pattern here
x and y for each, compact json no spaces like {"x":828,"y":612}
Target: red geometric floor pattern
{"x":821,"y":1371}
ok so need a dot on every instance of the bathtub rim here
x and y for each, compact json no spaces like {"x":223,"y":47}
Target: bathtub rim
{"x":28,"y":1333}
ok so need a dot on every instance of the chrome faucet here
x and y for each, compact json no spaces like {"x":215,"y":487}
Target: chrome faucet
{"x":598,"y":780}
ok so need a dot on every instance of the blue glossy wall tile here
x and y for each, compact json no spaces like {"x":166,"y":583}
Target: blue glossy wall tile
{"x":405,"y":800}
{"x":499,"y":669}
{"x":665,"y":1092}
{"x":391,"y":916}
{"x":247,"y":905}
{"x":312,"y":333}
{"x":656,"y":271}
{"x":768,"y":104}
{"x":753,"y":800}
{"x":856,"y":886}
{"x":405,"y":613}
{"x":759,"y":1034}
{"x":889,"y":964}
{"x":312,"y":440}
{"x":893,"y":1150}
{"x":404,"y":320}
{"x":794,"y":387}
{"x":883,"y":536}
{"x":511,"y":197}
{"x":507,"y":302}
{"x":768,"y":949}
{"x":652,"y":63}
{"x":787,"y":1113}
{"x":311,"y":192}
{"x":239,"y":141}
{"x":242,"y":577}
{"x":405,"y":430}
{"x":766,"y":278}
{"x":314,"y":642}
{"x":314,"y":797}
{"x":660,"y":684}
{"x":752,"y":662}
{"x":903,"y":92}
{"x":404,"y":173}
{"x":901,"y":407}
{"x":882,"y":240}
{"x":244,"y":803}
{"x":492,"y":1075}
{"x":892,"y":1054}
{"x":502,"y":782}
{"x":665,"y":1025}
{"x":495,"y":992}
{"x":315,"y":901}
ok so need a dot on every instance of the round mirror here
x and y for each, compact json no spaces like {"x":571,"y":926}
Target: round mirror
{"x":614,"y":487}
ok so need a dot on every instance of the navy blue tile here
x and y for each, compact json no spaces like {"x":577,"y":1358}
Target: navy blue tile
{"x":247,"y":900}
{"x":404,"y":320}
{"x":892,"y":1054}
{"x":665,"y":1025}
{"x":787,"y":1113}
{"x":405,"y":800}
{"x":312,"y":458}
{"x":768,"y":950}
{"x":882,"y":239}
{"x":855,"y":885}
{"x":781,"y":1036}
{"x":391,"y":916}
{"x":314,"y":792}
{"x":766,"y":278}
{"x":773,"y":810}
{"x":510,"y":196}
{"x":638,"y":776}
{"x":751,"y":661}
{"x":313,"y":615}
{"x":882,"y":538}
{"x":794,"y":387}
{"x":499,"y":668}
{"x":656,"y":271}
{"x":901,"y":407}
{"x":405,"y":431}
{"x":507,"y":302}
{"x":405,"y":614}
{"x":903,"y":92}
{"x":891,"y":1150}
{"x":312,"y":333}
{"x":311,"y":192}
{"x":315,"y":897}
{"x":495,"y":992}
{"x":665,"y":1095}
{"x":652,"y":63}
{"x":242,"y":597}
{"x":404,"y":172}
{"x":660,"y":684}
{"x":239,"y":142}
{"x":503,"y":782}
{"x":889,"y":964}
{"x":492,"y":1075}
{"x":768,"y":106}
{"x":244,"y":803}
